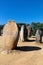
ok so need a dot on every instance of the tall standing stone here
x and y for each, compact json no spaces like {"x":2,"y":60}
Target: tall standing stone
{"x":23,"y":33}
{"x":10,"y":36}
{"x":29,"y":29}
{"x":38,"y":36}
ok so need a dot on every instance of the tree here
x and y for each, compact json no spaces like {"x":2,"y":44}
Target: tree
{"x":36,"y":26}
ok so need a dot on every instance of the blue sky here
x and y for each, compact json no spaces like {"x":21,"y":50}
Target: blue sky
{"x":22,"y":11}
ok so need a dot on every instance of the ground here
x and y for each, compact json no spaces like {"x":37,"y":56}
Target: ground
{"x":27,"y":53}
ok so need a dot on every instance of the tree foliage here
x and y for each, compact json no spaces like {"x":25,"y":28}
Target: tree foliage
{"x":36,"y":26}
{"x":1,"y":28}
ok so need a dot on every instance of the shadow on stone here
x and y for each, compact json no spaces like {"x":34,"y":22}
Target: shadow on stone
{"x":41,"y":42}
{"x":27,"y":48}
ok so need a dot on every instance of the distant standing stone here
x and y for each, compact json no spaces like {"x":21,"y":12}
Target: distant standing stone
{"x":38,"y":36}
{"x":29,"y":29}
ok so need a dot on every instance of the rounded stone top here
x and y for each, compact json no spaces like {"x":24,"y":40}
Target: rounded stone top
{"x":10,"y":27}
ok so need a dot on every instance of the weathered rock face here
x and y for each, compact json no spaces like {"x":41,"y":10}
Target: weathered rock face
{"x":23,"y":33}
{"x":38,"y":36}
{"x":29,"y":29}
{"x":10,"y":36}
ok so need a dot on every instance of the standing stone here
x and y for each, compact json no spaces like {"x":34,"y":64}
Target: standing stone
{"x":29,"y":29}
{"x":10,"y":36}
{"x":38,"y":36}
{"x":23,"y":33}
